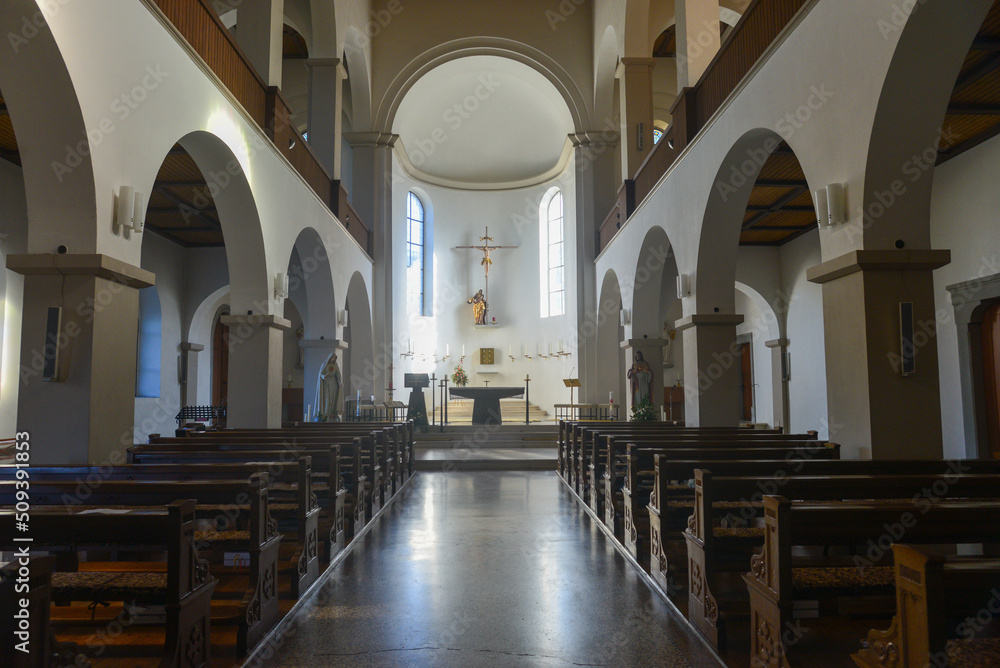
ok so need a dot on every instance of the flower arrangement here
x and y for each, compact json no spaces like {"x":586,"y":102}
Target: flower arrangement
{"x":642,"y":411}
{"x":460,"y":378}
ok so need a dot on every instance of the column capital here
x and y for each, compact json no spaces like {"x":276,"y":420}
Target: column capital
{"x":324,"y":344}
{"x":371,"y":139}
{"x":626,"y":65}
{"x":594,"y":138}
{"x":256,"y":321}
{"x":878,"y":260}
{"x":777,"y":343}
{"x":708,"y":320}
{"x":336,"y":63}
{"x":643,"y":343}
{"x":192,"y":347}
{"x":103,"y":266}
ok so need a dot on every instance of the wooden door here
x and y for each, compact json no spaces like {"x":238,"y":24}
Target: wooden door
{"x":220,"y":364}
{"x":746,"y":362}
{"x":991,"y":375}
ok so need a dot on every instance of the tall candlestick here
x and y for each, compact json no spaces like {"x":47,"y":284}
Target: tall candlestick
{"x":463,"y":350}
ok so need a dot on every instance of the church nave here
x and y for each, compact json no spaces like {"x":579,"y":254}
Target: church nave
{"x":485,"y":568}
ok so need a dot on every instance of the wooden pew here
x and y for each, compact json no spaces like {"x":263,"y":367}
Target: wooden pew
{"x":940,"y":601}
{"x":714,"y":551}
{"x":185,"y":590}
{"x":775,"y":581}
{"x":618,"y":512}
{"x":220,"y":500}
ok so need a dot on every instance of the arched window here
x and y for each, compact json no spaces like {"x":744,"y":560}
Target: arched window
{"x":414,"y":255}
{"x":552,"y":265}
{"x":657,"y":135}
{"x":147,"y":362}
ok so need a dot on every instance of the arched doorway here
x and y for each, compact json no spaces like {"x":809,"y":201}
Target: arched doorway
{"x":990,"y":338}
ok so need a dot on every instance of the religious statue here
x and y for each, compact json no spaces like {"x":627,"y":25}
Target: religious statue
{"x":478,"y":302}
{"x":640,"y":378}
{"x":329,"y":391}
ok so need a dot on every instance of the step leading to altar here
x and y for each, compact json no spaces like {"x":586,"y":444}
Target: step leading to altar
{"x":499,"y":448}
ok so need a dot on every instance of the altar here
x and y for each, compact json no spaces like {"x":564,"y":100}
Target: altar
{"x":486,"y":409}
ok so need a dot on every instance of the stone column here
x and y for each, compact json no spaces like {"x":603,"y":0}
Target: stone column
{"x":652,"y":352}
{"x":259,"y":28}
{"x":256,"y":344}
{"x":86,"y":413}
{"x":316,"y":351}
{"x":712,"y":396}
{"x":875,"y":411}
{"x":591,"y":154}
{"x":636,"y":88}
{"x":697,"y":39}
{"x":779,"y":382}
{"x":189,"y":362}
{"x":372,"y":200}
{"x":326,"y":104}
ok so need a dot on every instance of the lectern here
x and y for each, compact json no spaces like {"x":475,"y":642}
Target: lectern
{"x":417,"y":382}
{"x":572,"y":384}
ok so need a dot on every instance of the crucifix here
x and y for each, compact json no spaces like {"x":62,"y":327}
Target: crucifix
{"x":486,"y":245}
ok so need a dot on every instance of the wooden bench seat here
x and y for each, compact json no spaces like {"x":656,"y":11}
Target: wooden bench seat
{"x":940,"y":601}
{"x":712,"y":553}
{"x":184,"y":591}
{"x":788,"y":524}
{"x":247,"y":501}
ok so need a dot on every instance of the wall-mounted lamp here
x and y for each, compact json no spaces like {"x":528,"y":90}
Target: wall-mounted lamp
{"x":342,"y":318}
{"x":129,"y":210}
{"x":683,"y":286}
{"x":626,"y":317}
{"x":836,"y":196}
{"x":822,"y":208}
{"x":281,"y":285}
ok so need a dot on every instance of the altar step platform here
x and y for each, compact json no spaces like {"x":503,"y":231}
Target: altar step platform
{"x":511,"y":412}
{"x":508,"y":447}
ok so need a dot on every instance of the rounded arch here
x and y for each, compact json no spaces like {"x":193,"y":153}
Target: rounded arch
{"x":310,"y":278}
{"x":360,"y":366}
{"x":610,"y":374}
{"x":908,"y":119}
{"x":54,"y":148}
{"x":199,"y":333}
{"x":229,"y":187}
{"x":480,"y":46}
{"x":654,"y":268}
{"x":769,"y":326}
{"x":721,"y":225}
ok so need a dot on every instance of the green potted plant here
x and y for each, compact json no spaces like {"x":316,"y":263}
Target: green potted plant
{"x":420,"y":422}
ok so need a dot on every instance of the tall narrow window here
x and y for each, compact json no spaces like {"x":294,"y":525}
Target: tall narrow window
{"x":414,"y":255}
{"x":147,"y":367}
{"x":553,"y":261}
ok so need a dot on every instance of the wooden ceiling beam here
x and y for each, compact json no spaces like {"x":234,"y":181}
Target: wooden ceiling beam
{"x":974,"y":110}
{"x":779,"y":228}
{"x":790,"y":209}
{"x":775,"y":208}
{"x":986,"y":44}
{"x":10,"y":156}
{"x":781,"y":183}
{"x":173,"y":209}
{"x":181,"y":184}
{"x":3,"y":110}
{"x":180,"y":202}
{"x":988,"y":65}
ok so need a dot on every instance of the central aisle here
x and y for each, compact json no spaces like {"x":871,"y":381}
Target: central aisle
{"x":487,"y":569}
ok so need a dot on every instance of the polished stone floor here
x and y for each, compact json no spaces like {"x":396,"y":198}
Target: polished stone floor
{"x":483,"y":568}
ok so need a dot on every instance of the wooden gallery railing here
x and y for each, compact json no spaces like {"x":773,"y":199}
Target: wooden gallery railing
{"x":207,"y":35}
{"x":759,"y":26}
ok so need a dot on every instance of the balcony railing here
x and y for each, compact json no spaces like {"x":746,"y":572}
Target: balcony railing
{"x":759,"y":26}
{"x":207,"y":35}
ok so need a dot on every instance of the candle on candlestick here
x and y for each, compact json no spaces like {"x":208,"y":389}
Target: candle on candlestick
{"x":463,"y":350}
{"x":447,"y":349}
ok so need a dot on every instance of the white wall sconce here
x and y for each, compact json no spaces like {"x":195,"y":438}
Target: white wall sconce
{"x":822,"y":208}
{"x":342,"y":318}
{"x":683,"y":286}
{"x":836,"y":196}
{"x":626,"y":317}
{"x":129,"y":210}
{"x":281,"y":285}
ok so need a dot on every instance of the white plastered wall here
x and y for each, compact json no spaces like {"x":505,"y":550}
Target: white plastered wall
{"x":13,"y":239}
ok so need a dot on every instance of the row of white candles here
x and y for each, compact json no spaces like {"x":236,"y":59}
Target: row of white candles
{"x":561,"y":350}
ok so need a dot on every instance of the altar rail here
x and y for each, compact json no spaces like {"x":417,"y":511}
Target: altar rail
{"x":759,"y":26}
{"x":198,"y":23}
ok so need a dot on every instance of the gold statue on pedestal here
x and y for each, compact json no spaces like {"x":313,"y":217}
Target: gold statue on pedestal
{"x":479,"y":305}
